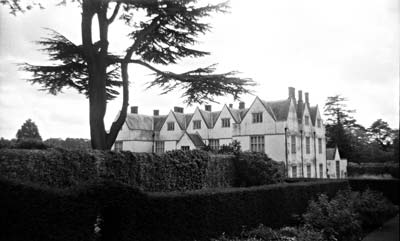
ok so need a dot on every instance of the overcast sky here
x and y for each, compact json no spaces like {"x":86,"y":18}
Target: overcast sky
{"x":347,"y":47}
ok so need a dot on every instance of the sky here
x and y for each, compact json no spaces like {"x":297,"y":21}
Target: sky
{"x":323,"y":47}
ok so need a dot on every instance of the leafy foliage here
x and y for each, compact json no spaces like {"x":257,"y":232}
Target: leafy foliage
{"x":28,"y":131}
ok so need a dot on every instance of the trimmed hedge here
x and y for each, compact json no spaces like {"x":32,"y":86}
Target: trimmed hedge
{"x":388,"y":187}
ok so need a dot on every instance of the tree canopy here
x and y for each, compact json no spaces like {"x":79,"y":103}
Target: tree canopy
{"x":28,"y":131}
{"x":161,"y":33}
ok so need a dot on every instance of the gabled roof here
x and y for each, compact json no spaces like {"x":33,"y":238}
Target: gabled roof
{"x":196,"y":139}
{"x":158,"y":122}
{"x":139,"y":122}
{"x":330,"y":153}
{"x":209,"y":117}
{"x":313,"y":114}
{"x":300,"y":111}
{"x":279,"y":109}
{"x":182,"y":119}
{"x":238,"y":114}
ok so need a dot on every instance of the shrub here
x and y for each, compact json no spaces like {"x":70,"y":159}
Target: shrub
{"x":336,"y":218}
{"x":388,"y":187}
{"x":30,"y":144}
{"x":254,"y":169}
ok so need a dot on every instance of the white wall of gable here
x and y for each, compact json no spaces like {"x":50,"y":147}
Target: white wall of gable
{"x":219,"y":132}
{"x":292,"y":122}
{"x":203,"y":131}
{"x":185,"y":141}
{"x":165,"y":134}
{"x":127,"y":134}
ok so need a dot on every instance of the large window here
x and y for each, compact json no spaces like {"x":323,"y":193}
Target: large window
{"x":293,"y":142}
{"x":118,"y":146}
{"x":257,"y":143}
{"x":257,"y":117}
{"x":214,"y":144}
{"x":307,"y":120}
{"x":294,"y":171}
{"x":319,"y":145}
{"x":160,"y":147}
{"x":197,"y":124}
{"x":308,"y":145}
{"x":226,"y":122}
{"x":321,"y":170}
{"x":337,"y":169}
{"x":170,"y":126}
{"x":185,"y":148}
{"x":308,"y":170}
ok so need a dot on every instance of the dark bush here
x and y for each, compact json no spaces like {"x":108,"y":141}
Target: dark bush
{"x":373,"y":169}
{"x":30,"y":144}
{"x":254,"y":169}
{"x":388,"y":187}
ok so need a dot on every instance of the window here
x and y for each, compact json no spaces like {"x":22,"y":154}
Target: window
{"x":337,"y":169}
{"x":197,"y":124}
{"x":307,"y":120}
{"x":159,"y":146}
{"x":118,"y":146}
{"x":214,"y":144}
{"x":226,"y":122}
{"x":185,"y":148}
{"x":308,"y":170}
{"x":257,"y":143}
{"x":319,"y":123}
{"x":321,"y":170}
{"x":171,"y":126}
{"x":257,"y":117}
{"x":319,"y":145}
{"x":294,"y":171}
{"x":308,"y":145}
{"x":293,"y":142}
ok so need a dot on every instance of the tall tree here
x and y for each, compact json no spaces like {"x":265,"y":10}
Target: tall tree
{"x":162,"y":31}
{"x":28,"y":131}
{"x":338,"y":124}
{"x":381,"y":133}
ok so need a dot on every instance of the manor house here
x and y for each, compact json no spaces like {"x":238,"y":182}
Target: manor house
{"x":288,"y":130}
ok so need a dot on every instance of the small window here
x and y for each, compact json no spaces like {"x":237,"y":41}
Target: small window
{"x":337,"y":169}
{"x":321,"y":170}
{"x":257,"y":143}
{"x":294,"y":171}
{"x":319,"y":123}
{"x":118,"y":146}
{"x":293,"y":142}
{"x":309,"y":171}
{"x":197,"y":124}
{"x":320,"y":145}
{"x":307,"y":120}
{"x":226,"y":122}
{"x":171,"y":126}
{"x":308,"y":145}
{"x":185,"y":148}
{"x":257,"y":117}
{"x":160,"y":147}
{"x":214,"y":144}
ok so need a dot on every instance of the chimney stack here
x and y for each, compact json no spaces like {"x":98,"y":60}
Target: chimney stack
{"x":306,"y":97}
{"x":134,"y":109}
{"x":231,"y":106}
{"x":300,"y":95}
{"x":241,"y":105}
{"x":156,"y":112}
{"x":178,"y":109}
{"x":208,"y":107}
{"x":292,"y":93}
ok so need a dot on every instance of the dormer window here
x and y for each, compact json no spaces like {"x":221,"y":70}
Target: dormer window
{"x":307,"y":120}
{"x":257,"y":117}
{"x":171,"y":126}
{"x":196,"y":124}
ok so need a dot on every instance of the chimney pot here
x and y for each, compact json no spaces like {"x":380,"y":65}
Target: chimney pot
{"x":178,"y":109}
{"x":292,"y":93}
{"x":156,"y":112}
{"x":231,"y":106}
{"x":242,"y":105}
{"x":306,"y":97}
{"x":134,"y":109}
{"x":207,"y":107}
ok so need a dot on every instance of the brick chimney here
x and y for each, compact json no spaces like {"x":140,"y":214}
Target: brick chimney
{"x":178,"y":109}
{"x":156,"y":112}
{"x":207,"y":107}
{"x":242,"y":105}
{"x":292,"y":93}
{"x":134,"y":109}
{"x":300,"y":97}
{"x":231,"y":106}
{"x":306,"y":98}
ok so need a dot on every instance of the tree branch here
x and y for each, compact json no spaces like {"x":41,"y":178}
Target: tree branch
{"x":115,"y":12}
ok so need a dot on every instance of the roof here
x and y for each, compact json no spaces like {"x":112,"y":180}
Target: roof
{"x":300,"y":111}
{"x":313,"y":113}
{"x":139,"y":122}
{"x":330,"y":153}
{"x":209,"y":117}
{"x":278,"y":109}
{"x":196,"y":139}
{"x":182,"y":119}
{"x":158,"y":122}
{"x":238,"y":114}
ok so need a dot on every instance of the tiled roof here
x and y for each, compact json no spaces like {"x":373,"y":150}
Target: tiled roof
{"x":159,"y":122}
{"x":214,"y":117}
{"x":183,"y":119}
{"x":209,"y":117}
{"x":196,"y":139}
{"x":279,"y":109}
{"x":139,"y":122}
{"x":330,"y":153}
{"x":313,"y":113}
{"x":238,"y":114}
